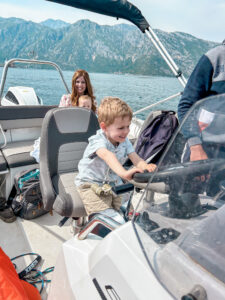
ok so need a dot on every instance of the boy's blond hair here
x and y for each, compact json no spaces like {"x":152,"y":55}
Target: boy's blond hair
{"x":112,"y":108}
{"x":84,"y":97}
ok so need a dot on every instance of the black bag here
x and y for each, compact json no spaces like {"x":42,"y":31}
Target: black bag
{"x":155,"y":135}
{"x":28,"y":202}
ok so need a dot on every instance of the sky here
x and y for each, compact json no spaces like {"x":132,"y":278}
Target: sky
{"x":204,"y":19}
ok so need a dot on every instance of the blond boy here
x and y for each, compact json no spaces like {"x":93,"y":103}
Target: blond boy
{"x":85,"y":101}
{"x":104,"y":156}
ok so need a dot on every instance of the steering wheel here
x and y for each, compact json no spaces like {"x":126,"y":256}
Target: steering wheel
{"x":188,"y":169}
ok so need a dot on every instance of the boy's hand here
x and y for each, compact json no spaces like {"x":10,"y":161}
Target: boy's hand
{"x":140,"y":163}
{"x":128,"y":174}
{"x":151,"y":167}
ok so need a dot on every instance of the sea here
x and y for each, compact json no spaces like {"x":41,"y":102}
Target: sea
{"x":137,"y":90}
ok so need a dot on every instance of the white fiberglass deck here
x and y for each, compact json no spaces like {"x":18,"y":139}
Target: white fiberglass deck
{"x":42,"y":236}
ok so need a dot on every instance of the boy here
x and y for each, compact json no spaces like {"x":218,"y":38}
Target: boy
{"x":104,"y":156}
{"x":85,"y":101}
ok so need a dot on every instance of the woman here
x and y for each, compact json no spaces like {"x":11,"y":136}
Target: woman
{"x":81,"y":85}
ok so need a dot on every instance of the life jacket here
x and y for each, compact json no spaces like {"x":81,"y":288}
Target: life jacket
{"x":11,"y":286}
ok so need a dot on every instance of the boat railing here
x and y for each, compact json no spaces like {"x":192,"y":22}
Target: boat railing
{"x":156,"y":103}
{"x":28,"y":61}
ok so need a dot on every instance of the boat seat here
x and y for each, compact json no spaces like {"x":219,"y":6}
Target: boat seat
{"x":17,"y":154}
{"x":3,"y":163}
{"x":64,"y":137}
{"x":69,"y":202}
{"x":20,"y":126}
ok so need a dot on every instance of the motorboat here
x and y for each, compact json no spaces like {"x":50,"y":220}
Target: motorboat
{"x":173,"y":245}
{"x":25,"y":95}
{"x":21,"y":95}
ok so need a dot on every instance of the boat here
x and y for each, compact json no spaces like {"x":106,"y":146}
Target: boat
{"x":171,"y":248}
{"x":25,"y":95}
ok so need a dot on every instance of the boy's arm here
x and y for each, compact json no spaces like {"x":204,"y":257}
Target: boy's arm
{"x":140,"y":163}
{"x":112,"y":161}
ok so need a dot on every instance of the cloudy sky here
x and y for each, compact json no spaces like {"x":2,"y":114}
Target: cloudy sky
{"x":202,"y":18}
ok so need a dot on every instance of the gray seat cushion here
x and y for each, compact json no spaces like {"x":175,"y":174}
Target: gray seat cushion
{"x":68,"y":202}
{"x":18,"y":154}
{"x":3,"y":164}
{"x":64,"y":137}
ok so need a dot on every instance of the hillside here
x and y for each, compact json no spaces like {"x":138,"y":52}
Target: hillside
{"x":84,"y":44}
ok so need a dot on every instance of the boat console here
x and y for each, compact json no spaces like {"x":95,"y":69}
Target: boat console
{"x":183,"y":200}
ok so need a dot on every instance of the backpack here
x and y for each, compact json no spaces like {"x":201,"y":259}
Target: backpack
{"x":158,"y":129}
{"x":28,"y":201}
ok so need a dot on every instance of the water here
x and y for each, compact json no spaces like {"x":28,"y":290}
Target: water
{"x":138,"y":91}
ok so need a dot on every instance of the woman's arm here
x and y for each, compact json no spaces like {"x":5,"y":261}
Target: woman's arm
{"x":65,"y":101}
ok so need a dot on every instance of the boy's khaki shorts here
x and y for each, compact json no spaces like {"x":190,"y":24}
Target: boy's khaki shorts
{"x":94,"y":203}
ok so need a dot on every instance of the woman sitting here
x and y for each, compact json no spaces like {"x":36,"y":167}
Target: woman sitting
{"x":81,"y":85}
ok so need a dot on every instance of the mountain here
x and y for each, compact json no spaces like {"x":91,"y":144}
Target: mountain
{"x":120,"y":48}
{"x":55,"y":24}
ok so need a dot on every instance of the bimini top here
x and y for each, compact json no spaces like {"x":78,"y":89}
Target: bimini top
{"x":114,"y":8}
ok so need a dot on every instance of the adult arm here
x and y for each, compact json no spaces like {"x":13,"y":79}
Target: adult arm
{"x":198,"y":87}
{"x":65,"y":101}
{"x":197,"y":153}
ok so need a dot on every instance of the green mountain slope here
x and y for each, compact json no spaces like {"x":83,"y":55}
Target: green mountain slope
{"x":84,"y":44}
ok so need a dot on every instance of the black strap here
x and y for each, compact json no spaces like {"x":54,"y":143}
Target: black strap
{"x":30,"y":267}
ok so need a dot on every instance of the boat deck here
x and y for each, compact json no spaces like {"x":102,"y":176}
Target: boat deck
{"x":42,"y":236}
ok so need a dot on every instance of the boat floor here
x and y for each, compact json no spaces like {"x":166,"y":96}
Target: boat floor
{"x":42,"y":236}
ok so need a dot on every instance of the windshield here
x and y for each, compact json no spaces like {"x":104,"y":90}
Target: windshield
{"x":182,"y":214}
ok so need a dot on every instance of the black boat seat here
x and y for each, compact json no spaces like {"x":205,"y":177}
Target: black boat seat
{"x":17,"y":154}
{"x":64,"y":137}
{"x":3,"y":163}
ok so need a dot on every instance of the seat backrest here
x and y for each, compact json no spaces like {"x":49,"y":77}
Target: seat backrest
{"x":21,"y":123}
{"x":64,"y":137}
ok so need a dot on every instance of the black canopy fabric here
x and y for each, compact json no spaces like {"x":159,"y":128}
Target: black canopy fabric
{"x":114,"y":8}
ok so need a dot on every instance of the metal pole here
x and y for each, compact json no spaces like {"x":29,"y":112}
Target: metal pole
{"x":166,"y":56}
{"x":157,"y":103}
{"x":31,"y":61}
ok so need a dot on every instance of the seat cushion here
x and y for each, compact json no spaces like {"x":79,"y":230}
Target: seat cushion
{"x":3,"y":163}
{"x":68,"y":202}
{"x":18,"y":154}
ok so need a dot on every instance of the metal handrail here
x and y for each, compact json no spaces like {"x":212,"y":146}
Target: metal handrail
{"x":157,"y":103}
{"x":31,"y":61}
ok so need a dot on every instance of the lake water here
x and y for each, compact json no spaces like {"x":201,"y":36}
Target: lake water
{"x":138,"y":91}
